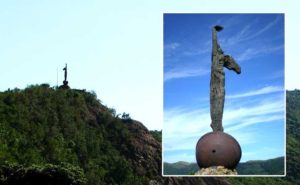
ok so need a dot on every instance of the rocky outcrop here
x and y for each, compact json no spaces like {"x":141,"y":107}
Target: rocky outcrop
{"x":216,"y":170}
{"x":144,"y":152}
{"x":145,"y":158}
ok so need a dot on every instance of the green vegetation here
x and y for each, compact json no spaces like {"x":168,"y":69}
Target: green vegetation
{"x":156,"y":135}
{"x":262,"y":167}
{"x":258,"y":181}
{"x":52,"y":135}
{"x":41,"y":125}
{"x":46,"y":174}
{"x":180,"y":168}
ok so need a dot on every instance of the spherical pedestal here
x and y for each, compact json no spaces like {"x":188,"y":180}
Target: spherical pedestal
{"x":218,"y":149}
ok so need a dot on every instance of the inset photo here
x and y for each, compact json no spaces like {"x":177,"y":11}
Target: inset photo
{"x":224,"y":95}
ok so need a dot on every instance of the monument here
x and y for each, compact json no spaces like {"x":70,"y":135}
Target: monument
{"x":65,"y":82}
{"x":217,"y":148}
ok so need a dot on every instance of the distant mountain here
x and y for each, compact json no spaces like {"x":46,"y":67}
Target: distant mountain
{"x":262,"y":167}
{"x":259,"y":167}
{"x":180,"y":168}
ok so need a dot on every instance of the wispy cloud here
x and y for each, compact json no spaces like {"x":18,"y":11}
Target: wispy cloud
{"x":248,"y":33}
{"x":184,"y":73}
{"x":275,"y":75}
{"x":182,"y":127}
{"x":251,"y":53}
{"x":264,"y":90}
{"x":202,"y":49}
{"x":256,"y":120}
{"x":205,"y":50}
{"x":172,"y":46}
{"x":228,"y":22}
{"x":266,"y":28}
{"x":238,"y":37}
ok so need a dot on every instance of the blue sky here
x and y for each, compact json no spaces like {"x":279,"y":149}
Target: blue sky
{"x":254,"y":103}
{"x":108,"y":46}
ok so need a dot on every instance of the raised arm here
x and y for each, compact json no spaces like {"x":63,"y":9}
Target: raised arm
{"x":215,"y":29}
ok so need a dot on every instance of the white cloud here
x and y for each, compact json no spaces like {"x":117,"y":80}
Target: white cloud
{"x":182,"y":127}
{"x":172,"y":46}
{"x":247,"y":33}
{"x":204,"y":50}
{"x":264,"y":90}
{"x":187,"y":157}
{"x":184,"y":73}
{"x":255,"y":120}
{"x":255,"y":52}
{"x":266,"y":28}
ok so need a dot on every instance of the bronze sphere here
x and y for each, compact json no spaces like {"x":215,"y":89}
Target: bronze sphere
{"x":218,"y":149}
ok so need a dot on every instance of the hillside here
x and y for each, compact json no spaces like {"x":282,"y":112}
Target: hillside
{"x":67,"y":137}
{"x":41,"y":125}
{"x":50,"y":135}
{"x":180,"y":168}
{"x":262,"y":167}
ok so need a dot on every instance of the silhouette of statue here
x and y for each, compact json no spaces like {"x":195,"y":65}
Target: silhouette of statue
{"x":217,"y":80}
{"x":65,"y":82}
{"x":66,"y":72}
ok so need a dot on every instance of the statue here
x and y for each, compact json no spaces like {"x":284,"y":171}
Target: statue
{"x":218,"y":148}
{"x":66,"y":72}
{"x":65,"y":82}
{"x":217,"y":80}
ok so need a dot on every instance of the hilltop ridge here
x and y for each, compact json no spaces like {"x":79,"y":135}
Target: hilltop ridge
{"x":41,"y":125}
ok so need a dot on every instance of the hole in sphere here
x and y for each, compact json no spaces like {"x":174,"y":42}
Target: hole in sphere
{"x":213,"y":151}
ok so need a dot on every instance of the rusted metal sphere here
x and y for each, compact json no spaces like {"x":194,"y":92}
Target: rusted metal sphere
{"x":218,"y":149}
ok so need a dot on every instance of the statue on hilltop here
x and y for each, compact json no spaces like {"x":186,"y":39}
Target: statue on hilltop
{"x":65,"y":82}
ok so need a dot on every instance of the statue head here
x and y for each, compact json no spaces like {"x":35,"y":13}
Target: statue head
{"x":231,"y":64}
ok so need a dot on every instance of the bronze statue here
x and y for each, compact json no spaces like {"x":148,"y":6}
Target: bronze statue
{"x":217,"y":81}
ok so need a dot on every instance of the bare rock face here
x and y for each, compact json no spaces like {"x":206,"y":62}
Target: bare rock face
{"x":145,"y":152}
{"x":145,"y":158}
{"x":216,"y":170}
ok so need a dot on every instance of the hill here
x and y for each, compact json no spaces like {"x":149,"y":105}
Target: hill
{"x":180,"y":168}
{"x":259,"y":167}
{"x":262,"y":167}
{"x":67,"y":136}
{"x":41,"y":125}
